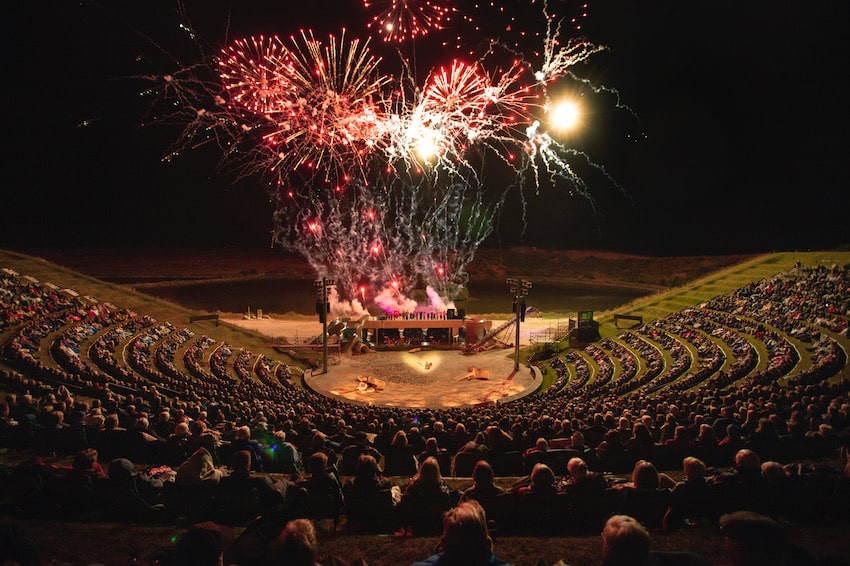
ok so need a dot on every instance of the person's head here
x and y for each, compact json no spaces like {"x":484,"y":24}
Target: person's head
{"x":431,"y":444}
{"x":752,"y":539}
{"x":111,"y":422}
{"x":542,"y":444}
{"x":121,"y":470}
{"x":318,"y":463}
{"x":199,"y":547}
{"x":429,"y":471}
{"x":399,"y":438}
{"x":577,"y":468}
{"x":542,"y":477}
{"x":297,"y":544}
{"x":361,"y":438}
{"x":625,"y":542}
{"x":181,"y":429}
{"x":367,"y":467}
{"x":746,"y":459}
{"x":773,"y":472}
{"x":243,"y":433}
{"x":85,"y":459}
{"x":482,"y":473}
{"x":577,"y":440}
{"x":241,"y":461}
{"x":465,"y":537}
{"x":198,"y":427}
{"x":694,"y":468}
{"x":645,"y":475}
{"x":640,"y":432}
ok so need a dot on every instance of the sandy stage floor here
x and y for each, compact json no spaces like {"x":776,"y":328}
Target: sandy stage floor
{"x":435,"y":379}
{"x":424,"y":378}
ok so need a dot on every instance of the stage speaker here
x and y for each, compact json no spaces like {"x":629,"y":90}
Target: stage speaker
{"x":450,"y":314}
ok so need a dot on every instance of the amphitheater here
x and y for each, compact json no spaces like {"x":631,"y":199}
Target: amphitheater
{"x":772,"y":346}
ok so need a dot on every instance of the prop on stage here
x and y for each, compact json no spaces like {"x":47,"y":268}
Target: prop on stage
{"x":476,"y":373}
{"x":367,"y":381}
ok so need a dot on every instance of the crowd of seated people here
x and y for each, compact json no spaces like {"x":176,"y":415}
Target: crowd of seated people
{"x":132,"y":410}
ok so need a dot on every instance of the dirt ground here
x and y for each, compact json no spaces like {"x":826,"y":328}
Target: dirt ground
{"x":416,"y":378}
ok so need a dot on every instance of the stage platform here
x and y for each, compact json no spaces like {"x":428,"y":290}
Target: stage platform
{"x":426,"y":378}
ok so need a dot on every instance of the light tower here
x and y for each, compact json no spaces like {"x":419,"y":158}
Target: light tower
{"x":323,"y":307}
{"x":519,"y":290}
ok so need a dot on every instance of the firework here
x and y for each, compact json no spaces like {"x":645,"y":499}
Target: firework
{"x":250,"y":73}
{"x":327,"y":118}
{"x":402,"y":20}
{"x":379,"y":182}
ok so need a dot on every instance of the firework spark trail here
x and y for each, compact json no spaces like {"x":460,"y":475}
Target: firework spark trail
{"x":249,"y":70}
{"x":389,"y":238}
{"x":402,"y":20}
{"x":330,"y":115}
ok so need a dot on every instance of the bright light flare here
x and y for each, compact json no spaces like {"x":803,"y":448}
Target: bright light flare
{"x":565,"y":115}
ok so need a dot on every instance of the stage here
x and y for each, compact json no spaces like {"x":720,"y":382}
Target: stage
{"x":426,"y":378}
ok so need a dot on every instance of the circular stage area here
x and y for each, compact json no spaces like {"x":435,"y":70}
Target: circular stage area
{"x":435,"y":379}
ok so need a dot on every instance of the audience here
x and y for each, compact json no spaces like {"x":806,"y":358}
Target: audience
{"x":157,"y":412}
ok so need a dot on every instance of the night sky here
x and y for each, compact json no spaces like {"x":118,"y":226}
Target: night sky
{"x":737,"y":140}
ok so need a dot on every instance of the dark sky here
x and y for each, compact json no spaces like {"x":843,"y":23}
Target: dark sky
{"x":737,"y":142}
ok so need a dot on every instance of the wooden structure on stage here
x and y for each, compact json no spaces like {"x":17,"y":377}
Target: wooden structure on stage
{"x":444,"y":331}
{"x":381,"y":331}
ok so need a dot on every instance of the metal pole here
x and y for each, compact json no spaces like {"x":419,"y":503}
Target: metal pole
{"x":519,"y":289}
{"x":325,"y":324}
{"x":518,"y":317}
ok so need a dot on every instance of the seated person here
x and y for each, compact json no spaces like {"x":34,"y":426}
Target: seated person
{"x":692,"y":498}
{"x":126,"y":497}
{"x":399,"y":459}
{"x":541,"y":482}
{"x":425,"y":497}
{"x":370,"y":499}
{"x":483,"y":486}
{"x":297,"y":545}
{"x":351,"y":453}
{"x":465,"y":541}
{"x":753,"y":540}
{"x":535,"y":454}
{"x":580,"y":481}
{"x":625,"y":542}
{"x":243,"y":441}
{"x":647,"y":496}
{"x":241,"y":483}
{"x":199,"y":469}
{"x":322,"y":493}
{"x":285,"y":458}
